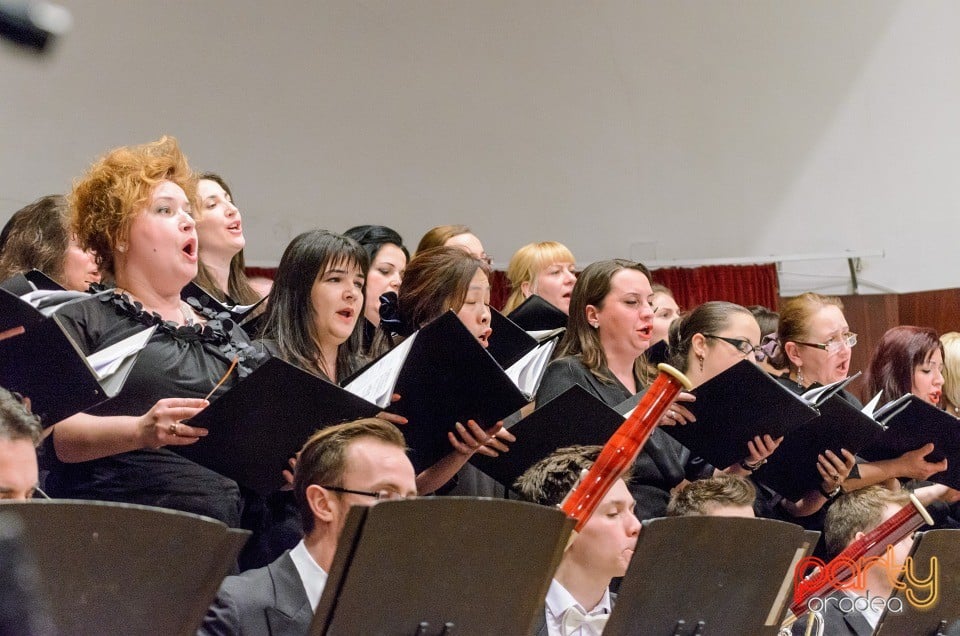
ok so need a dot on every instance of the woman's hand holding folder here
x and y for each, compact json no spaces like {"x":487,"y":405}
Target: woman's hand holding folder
{"x":162,"y":425}
{"x":677,"y":413}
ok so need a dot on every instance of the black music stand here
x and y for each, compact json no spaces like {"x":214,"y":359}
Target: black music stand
{"x":709,"y":575}
{"x":442,"y":566}
{"x":23,"y":607}
{"x":111,"y":568}
{"x":945,"y":546}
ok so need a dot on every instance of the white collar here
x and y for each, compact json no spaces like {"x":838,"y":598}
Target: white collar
{"x":559,"y":600}
{"x":311,"y":575}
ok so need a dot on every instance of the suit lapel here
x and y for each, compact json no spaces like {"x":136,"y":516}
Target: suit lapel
{"x":291,"y":613}
{"x":858,"y":624}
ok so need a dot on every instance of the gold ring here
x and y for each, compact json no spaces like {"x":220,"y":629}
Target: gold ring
{"x":173,"y":429}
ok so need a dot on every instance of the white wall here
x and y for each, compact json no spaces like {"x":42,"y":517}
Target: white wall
{"x":667,"y":130}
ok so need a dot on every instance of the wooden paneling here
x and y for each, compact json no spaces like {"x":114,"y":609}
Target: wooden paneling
{"x":938,"y":309}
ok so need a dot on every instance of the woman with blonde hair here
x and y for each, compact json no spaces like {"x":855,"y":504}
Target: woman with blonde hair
{"x":546,"y":269}
{"x":951,"y":372}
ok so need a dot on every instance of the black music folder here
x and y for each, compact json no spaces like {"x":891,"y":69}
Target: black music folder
{"x":262,"y":421}
{"x":733,"y":407}
{"x":30,"y":308}
{"x":733,"y":575}
{"x":243,"y":315}
{"x":508,"y":342}
{"x":112,"y":568}
{"x":536,"y":314}
{"x":46,"y":365}
{"x":939,"y":608}
{"x":443,"y":376}
{"x":910,"y":423}
{"x":467,"y":565}
{"x":575,"y":417}
{"x":26,"y":282}
{"x":792,"y":470}
{"x":658,"y":352}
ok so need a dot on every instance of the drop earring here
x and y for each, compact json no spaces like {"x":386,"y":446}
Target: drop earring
{"x":800,"y":382}
{"x":700,"y":361}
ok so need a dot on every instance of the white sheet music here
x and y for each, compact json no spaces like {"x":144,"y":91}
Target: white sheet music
{"x":47,"y":301}
{"x":106,"y":361}
{"x":376,"y":383}
{"x":527,"y":372}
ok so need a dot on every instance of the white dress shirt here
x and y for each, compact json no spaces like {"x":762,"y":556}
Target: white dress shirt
{"x":311,"y":575}
{"x":560,"y":603}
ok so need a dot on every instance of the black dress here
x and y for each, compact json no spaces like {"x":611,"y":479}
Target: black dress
{"x":662,"y":464}
{"x":178,"y":361}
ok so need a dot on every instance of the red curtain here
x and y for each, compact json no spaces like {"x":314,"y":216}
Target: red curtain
{"x":742,"y":284}
{"x":266,"y":272}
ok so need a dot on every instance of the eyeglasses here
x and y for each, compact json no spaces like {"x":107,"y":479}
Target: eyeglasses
{"x":743,"y":346}
{"x":380,"y":495}
{"x":834,"y":345}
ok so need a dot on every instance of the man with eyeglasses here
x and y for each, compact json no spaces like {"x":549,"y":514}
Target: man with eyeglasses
{"x":19,"y":436}
{"x":353,"y":464}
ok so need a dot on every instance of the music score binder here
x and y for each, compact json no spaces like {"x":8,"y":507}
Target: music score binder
{"x":730,"y":573}
{"x":112,"y":568}
{"x":443,"y":376}
{"x":575,"y":417}
{"x":26,"y":282}
{"x":733,"y":407}
{"x":262,"y":421}
{"x":30,"y":308}
{"x":911,"y":423}
{"x":536,"y":314}
{"x":657,"y":352}
{"x":46,"y":365}
{"x":483,"y":566}
{"x":508,"y":342}
{"x":792,"y":469}
{"x":945,"y":608}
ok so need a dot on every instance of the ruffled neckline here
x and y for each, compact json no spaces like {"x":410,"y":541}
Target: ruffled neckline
{"x":217,"y":332}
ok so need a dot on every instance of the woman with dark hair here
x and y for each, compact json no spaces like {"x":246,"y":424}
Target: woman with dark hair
{"x":610,"y":327}
{"x":438,"y":280}
{"x":38,"y":236}
{"x":907,"y":360}
{"x":388,"y":259}
{"x":315,"y":305}
{"x":708,"y":341}
{"x":221,"y":270}
{"x":133,"y":208}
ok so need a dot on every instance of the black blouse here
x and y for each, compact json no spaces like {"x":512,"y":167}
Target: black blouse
{"x":662,"y":463}
{"x":178,"y":361}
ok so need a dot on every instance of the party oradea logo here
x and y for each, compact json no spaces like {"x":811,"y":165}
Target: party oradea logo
{"x":922,"y":592}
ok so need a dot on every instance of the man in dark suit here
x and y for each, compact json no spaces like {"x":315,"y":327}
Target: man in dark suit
{"x":357,"y":463}
{"x":579,"y":601}
{"x":847,"y":611}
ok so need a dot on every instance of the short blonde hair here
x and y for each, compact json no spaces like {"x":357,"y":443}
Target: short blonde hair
{"x":527,"y":263}
{"x":951,"y":367}
{"x":106,"y":199}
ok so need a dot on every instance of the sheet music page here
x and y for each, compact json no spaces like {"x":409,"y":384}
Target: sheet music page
{"x":47,"y":301}
{"x":822,"y":393}
{"x":106,"y":361}
{"x":376,"y":383}
{"x":528,"y":370}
